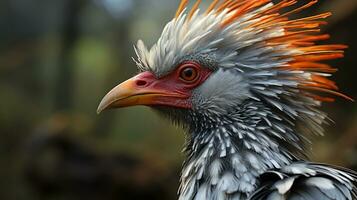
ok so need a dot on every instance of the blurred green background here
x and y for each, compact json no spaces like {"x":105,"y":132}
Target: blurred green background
{"x":57,"y":60}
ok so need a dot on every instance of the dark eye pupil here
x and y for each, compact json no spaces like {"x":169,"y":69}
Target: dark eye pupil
{"x":188,"y":73}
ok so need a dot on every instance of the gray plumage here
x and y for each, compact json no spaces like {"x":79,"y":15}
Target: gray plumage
{"x":248,"y":126}
{"x":309,"y":181}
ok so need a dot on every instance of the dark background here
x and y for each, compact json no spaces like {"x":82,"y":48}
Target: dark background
{"x":58,"y":59}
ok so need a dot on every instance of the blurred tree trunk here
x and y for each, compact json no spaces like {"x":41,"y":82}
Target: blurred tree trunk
{"x":71,"y":33}
{"x":123,"y":46}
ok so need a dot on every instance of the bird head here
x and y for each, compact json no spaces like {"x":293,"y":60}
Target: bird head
{"x":234,"y":57}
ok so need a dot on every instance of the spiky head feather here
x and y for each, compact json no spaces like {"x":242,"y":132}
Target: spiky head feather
{"x":247,"y":32}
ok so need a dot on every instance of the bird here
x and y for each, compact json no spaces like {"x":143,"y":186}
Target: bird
{"x":246,"y":82}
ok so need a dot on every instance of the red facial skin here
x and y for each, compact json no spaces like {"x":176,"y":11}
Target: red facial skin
{"x":174,"y":89}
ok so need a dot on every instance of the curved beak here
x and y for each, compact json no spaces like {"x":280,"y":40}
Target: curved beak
{"x":143,"y":89}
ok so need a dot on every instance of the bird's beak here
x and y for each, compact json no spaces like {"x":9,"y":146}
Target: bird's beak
{"x":143,"y":89}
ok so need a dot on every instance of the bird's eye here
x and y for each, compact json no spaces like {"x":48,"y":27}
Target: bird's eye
{"x":189,"y":72}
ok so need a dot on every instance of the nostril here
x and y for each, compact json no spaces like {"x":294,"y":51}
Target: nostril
{"x":141,"y":83}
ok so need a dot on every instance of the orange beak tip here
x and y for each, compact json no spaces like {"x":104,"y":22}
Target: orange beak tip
{"x":101,"y":108}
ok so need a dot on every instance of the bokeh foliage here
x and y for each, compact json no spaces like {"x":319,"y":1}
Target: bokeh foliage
{"x":57,"y":60}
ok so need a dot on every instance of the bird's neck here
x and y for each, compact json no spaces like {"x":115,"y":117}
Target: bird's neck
{"x":227,"y":158}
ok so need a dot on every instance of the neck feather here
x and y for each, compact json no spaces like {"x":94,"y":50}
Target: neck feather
{"x":227,"y":160}
{"x":225,"y":156}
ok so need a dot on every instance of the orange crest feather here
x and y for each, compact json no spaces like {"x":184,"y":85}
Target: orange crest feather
{"x":300,"y":34}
